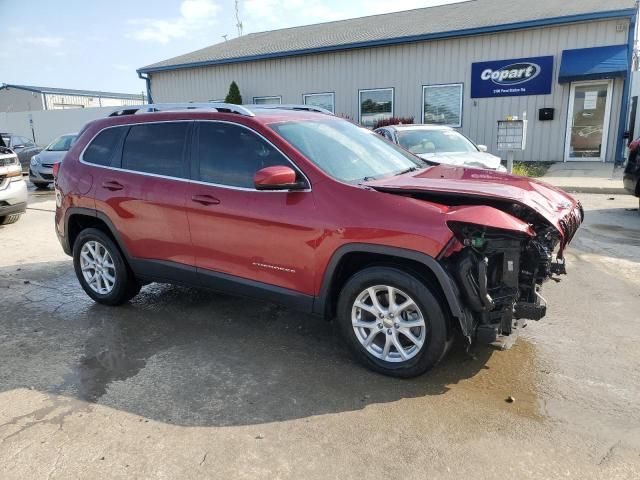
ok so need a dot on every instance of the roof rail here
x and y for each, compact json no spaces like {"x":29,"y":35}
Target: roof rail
{"x":309,"y":108}
{"x":164,"y":107}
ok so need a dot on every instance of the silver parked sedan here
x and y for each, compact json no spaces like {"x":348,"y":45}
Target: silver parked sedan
{"x":41,"y":168}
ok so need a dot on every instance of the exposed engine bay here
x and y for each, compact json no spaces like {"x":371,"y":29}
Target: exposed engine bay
{"x":500,"y":272}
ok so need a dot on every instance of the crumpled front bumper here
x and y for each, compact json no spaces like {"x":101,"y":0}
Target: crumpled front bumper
{"x":569,"y":225}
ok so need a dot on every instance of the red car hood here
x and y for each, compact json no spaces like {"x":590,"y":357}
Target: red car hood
{"x":553,"y":204}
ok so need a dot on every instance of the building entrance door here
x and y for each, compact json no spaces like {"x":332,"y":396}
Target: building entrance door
{"x":588,"y":121}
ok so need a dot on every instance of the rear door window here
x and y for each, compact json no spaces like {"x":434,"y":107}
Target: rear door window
{"x":157,"y":148}
{"x":102,"y":149}
{"x":231,"y":155}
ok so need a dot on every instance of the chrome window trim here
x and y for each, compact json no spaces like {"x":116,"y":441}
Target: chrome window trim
{"x":189,"y":180}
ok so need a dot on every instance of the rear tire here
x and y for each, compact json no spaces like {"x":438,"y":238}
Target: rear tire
{"x":403,"y":338}
{"x":8,"y":219}
{"x":102,"y":270}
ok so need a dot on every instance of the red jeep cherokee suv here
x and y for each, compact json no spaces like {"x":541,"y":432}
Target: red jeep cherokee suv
{"x":306,"y":209}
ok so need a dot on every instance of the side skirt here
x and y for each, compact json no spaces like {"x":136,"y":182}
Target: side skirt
{"x":175,"y":273}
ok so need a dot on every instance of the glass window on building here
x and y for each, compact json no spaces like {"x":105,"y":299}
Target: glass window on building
{"x":267,"y":100}
{"x":375,"y":105}
{"x":322,"y":100}
{"x":442,"y":105}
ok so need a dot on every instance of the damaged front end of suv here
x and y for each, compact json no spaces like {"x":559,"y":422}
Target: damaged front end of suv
{"x":499,"y":257}
{"x":509,"y":237}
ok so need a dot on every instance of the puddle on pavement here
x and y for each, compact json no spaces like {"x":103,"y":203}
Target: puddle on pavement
{"x":513,"y":372}
{"x":108,"y":357}
{"x":91,"y":377}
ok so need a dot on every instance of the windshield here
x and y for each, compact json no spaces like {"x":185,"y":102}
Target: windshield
{"x":347,"y":152}
{"x":61,"y":144}
{"x":423,"y":142}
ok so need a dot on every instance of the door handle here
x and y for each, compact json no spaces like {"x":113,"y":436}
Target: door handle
{"x":205,"y":199}
{"x":112,"y":185}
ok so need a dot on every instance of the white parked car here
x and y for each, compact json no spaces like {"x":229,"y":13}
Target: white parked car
{"x":13,"y":188}
{"x":441,"y":145}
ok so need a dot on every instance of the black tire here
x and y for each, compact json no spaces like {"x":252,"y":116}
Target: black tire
{"x":435,"y":344}
{"x":41,"y":186}
{"x":125,"y":287}
{"x":8,"y":219}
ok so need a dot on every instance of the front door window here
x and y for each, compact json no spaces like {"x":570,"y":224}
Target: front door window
{"x":589,"y":111}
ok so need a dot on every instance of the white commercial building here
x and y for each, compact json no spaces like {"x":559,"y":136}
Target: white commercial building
{"x":22,"y":98}
{"x":566,"y":64}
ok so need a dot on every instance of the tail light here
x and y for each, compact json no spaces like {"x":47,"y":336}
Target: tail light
{"x":56,"y":169}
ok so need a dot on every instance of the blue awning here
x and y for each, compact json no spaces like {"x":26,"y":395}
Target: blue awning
{"x":594,"y":63}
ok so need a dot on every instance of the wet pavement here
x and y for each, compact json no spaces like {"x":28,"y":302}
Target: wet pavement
{"x":186,"y":383}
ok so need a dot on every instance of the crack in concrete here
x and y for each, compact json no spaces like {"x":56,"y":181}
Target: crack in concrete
{"x":609,"y":453}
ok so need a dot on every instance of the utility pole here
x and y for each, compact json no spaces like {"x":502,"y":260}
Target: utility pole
{"x":238,"y":21}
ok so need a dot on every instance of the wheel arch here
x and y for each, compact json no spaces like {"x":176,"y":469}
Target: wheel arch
{"x":78,"y":218}
{"x":339,"y":270}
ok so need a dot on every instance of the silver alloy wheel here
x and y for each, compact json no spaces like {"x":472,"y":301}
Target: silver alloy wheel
{"x":97,"y":267}
{"x":388,"y":323}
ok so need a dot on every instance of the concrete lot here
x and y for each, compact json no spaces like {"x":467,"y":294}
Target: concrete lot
{"x":184,"y":383}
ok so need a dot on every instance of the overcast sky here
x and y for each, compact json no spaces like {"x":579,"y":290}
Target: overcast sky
{"x":98,"y":44}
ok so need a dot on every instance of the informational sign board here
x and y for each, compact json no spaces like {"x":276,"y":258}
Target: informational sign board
{"x":512,"y":135}
{"x":591,"y":100}
{"x":511,"y":78}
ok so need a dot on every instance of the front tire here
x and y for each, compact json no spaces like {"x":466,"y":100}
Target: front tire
{"x":102,"y":270}
{"x":41,"y":186}
{"x":392,"y":322}
{"x":9,"y":219}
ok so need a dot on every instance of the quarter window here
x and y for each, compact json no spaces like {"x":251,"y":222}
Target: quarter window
{"x":100,"y":151}
{"x":375,"y":105}
{"x":231,"y":155}
{"x":267,"y":100}
{"x":156,"y":148}
{"x":322,"y":100}
{"x":442,"y":105}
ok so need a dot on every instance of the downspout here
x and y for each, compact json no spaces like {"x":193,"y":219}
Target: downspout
{"x":626,"y":93}
{"x":147,"y":80}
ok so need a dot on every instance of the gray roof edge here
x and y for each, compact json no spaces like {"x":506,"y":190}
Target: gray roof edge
{"x":70,"y":91}
{"x":582,"y":17}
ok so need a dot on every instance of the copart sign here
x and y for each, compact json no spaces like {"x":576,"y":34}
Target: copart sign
{"x":509,"y":78}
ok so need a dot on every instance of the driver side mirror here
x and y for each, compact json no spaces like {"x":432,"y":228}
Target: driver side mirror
{"x":18,"y":147}
{"x":278,"y":177}
{"x":482,"y":148}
